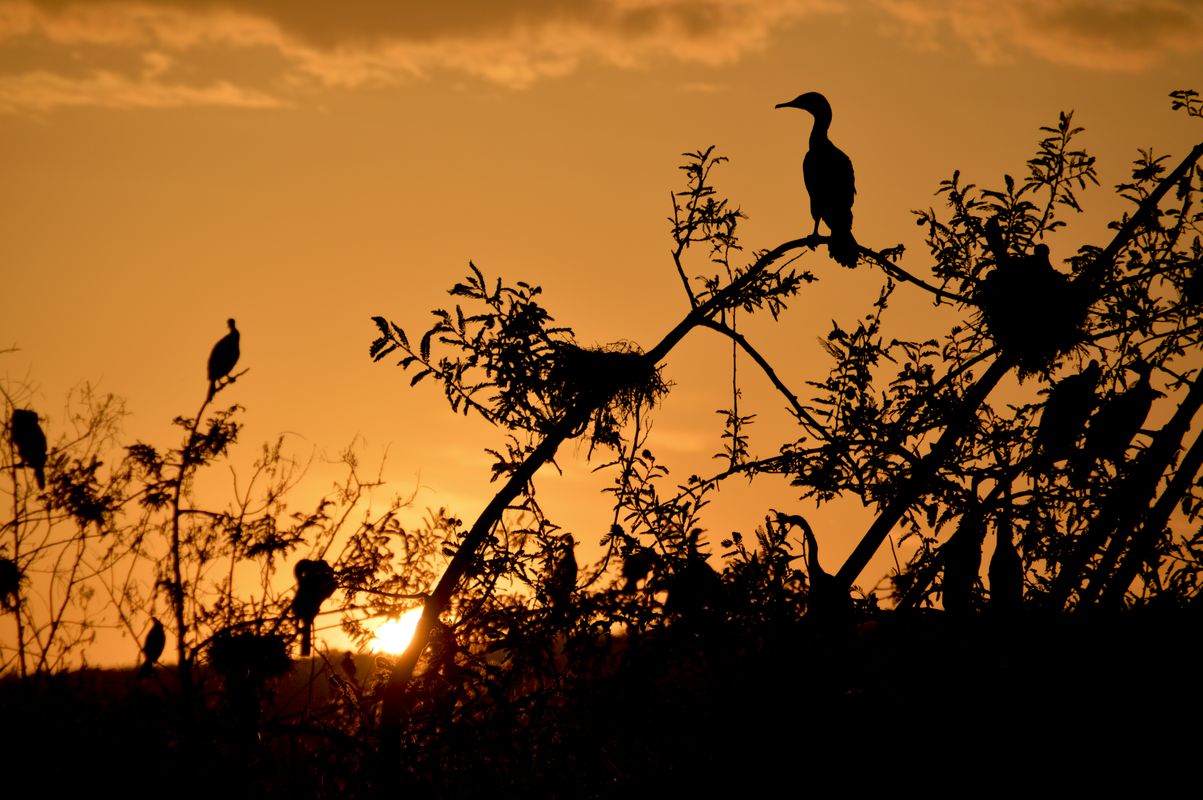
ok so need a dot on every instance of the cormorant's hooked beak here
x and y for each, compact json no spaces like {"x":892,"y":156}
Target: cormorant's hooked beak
{"x":784,"y":105}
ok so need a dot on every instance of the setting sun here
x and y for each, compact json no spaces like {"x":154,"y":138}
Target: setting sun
{"x":394,"y":635}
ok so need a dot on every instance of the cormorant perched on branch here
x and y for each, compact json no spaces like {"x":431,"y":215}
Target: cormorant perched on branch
{"x":223,"y":358}
{"x":30,"y":441}
{"x":1117,"y":421}
{"x":1005,"y":570}
{"x":827,"y":602}
{"x":1068,"y":407}
{"x":962,"y":555}
{"x":152,"y":648}
{"x":315,"y":583}
{"x":827,"y":172}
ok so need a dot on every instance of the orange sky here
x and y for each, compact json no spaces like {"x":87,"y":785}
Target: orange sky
{"x":168,"y":165}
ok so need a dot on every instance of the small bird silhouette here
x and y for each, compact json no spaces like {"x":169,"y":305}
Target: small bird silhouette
{"x":1117,"y":420}
{"x":315,"y":584}
{"x":561,"y":576}
{"x":348,"y":666}
{"x":223,"y":357}
{"x":152,"y":648}
{"x":1066,"y":410}
{"x":829,"y":179}
{"x":30,"y":441}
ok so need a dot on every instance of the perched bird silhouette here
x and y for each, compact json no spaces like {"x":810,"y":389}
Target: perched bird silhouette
{"x":152,"y":648}
{"x":223,"y":357}
{"x":827,"y":172}
{"x":695,"y":586}
{"x":561,"y":576}
{"x":315,"y":584}
{"x":962,"y":555}
{"x":30,"y":441}
{"x":1005,"y":570}
{"x":636,"y":564}
{"x":828,"y":602}
{"x":1065,"y":413}
{"x":1117,"y":420}
{"x":348,"y":666}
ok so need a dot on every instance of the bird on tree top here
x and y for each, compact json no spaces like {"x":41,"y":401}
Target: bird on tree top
{"x":223,"y":358}
{"x":315,"y":584}
{"x":827,"y":172}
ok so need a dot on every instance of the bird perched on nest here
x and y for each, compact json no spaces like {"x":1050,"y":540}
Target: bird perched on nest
{"x":827,"y":172}
{"x":152,"y":648}
{"x":315,"y":584}
{"x":223,"y":357}
{"x":1032,"y":311}
{"x":1066,"y":410}
{"x":30,"y":441}
{"x":561,"y":575}
{"x":1115,"y":423}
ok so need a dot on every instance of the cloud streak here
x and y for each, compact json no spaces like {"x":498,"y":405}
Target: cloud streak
{"x":1097,"y":35}
{"x":513,"y":43}
{"x":257,"y":53}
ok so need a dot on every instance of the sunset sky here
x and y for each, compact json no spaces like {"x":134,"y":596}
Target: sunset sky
{"x":168,"y":165}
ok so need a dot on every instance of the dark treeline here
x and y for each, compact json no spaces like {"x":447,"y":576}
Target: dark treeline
{"x":1053,"y":584}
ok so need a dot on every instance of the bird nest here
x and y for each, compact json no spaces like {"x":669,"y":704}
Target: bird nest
{"x":616,"y":380}
{"x":1032,"y":311}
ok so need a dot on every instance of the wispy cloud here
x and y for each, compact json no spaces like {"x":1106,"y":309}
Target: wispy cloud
{"x":1105,"y":35}
{"x":514,"y":43}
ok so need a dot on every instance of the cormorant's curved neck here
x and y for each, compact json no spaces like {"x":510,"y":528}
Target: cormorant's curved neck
{"x":818,"y":134}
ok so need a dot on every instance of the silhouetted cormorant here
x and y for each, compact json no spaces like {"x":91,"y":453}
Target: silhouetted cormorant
{"x":152,"y":647}
{"x":1117,"y":421}
{"x":1005,"y":570}
{"x":696,"y":586}
{"x":827,"y":172}
{"x":636,"y":565}
{"x":561,"y":577}
{"x":315,"y":583}
{"x":223,"y":358}
{"x":962,"y":555}
{"x":1066,"y":410}
{"x":827,"y":601}
{"x":30,"y":441}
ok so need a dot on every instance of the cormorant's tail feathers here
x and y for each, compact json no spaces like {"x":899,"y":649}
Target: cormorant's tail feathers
{"x":843,"y":249}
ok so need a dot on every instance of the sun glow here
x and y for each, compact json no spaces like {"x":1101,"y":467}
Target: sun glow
{"x":394,"y":635}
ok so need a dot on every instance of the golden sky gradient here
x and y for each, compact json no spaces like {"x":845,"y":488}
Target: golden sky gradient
{"x":168,"y":165}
